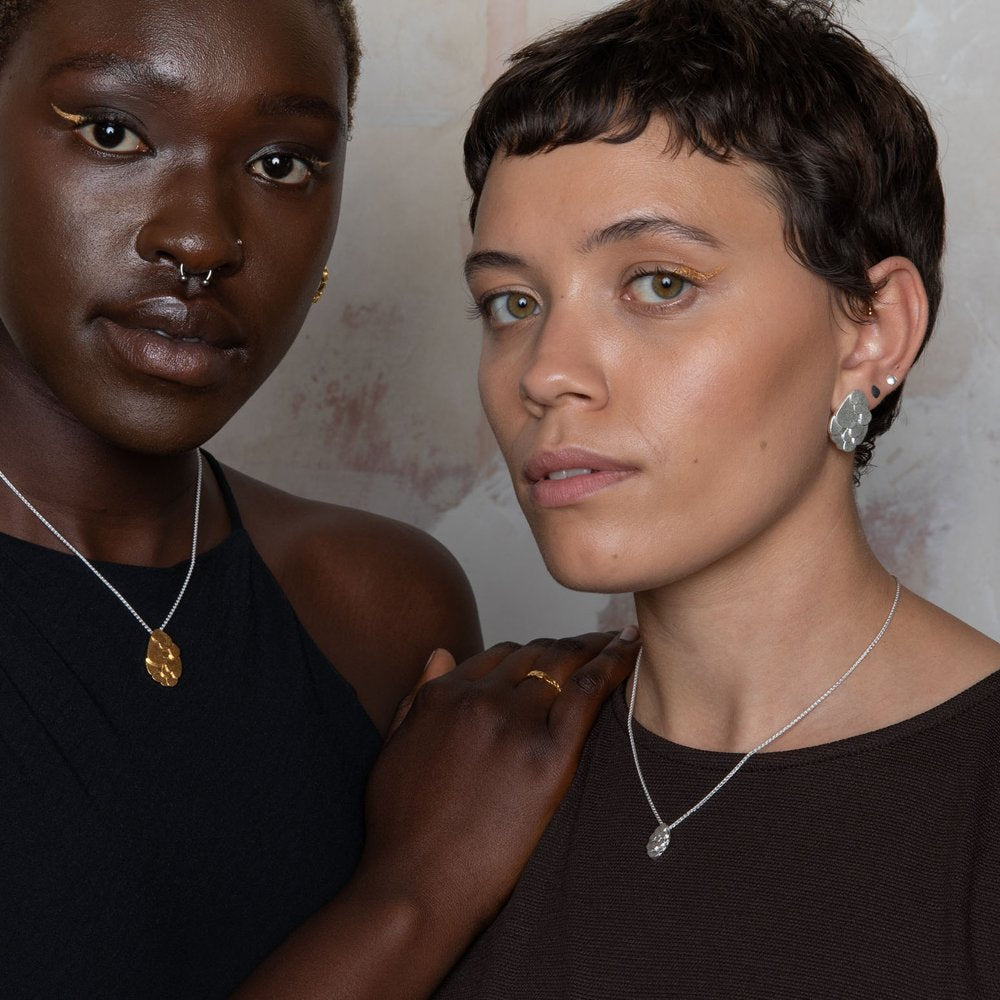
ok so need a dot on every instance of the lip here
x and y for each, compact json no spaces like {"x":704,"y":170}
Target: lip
{"x":604,"y":472}
{"x":194,"y":343}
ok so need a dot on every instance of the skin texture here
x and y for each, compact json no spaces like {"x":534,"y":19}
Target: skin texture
{"x":726,"y":509}
{"x":186,"y":201}
{"x":156,"y":155}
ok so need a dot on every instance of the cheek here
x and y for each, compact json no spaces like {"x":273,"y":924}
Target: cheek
{"x":758,"y":389}
{"x":498,"y":393}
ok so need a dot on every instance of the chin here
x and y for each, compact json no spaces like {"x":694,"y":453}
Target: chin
{"x":607,"y":575}
{"x":157,"y":434}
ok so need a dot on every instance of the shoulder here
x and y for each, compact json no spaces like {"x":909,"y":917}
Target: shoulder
{"x":376,"y":596}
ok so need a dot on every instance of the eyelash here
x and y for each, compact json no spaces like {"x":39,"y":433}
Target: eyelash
{"x":688,"y":276}
{"x":314,"y":166}
{"x":85,"y":121}
{"x":480,"y":308}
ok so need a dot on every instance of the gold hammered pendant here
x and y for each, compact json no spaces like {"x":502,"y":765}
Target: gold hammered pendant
{"x":163,"y":659}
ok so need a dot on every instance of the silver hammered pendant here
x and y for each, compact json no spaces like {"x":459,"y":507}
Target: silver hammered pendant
{"x":659,"y":841}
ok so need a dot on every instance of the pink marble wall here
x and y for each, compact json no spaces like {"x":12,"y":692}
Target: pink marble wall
{"x":376,"y":405}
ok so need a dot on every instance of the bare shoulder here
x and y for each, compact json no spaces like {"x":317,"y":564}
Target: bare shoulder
{"x":376,"y":596}
{"x":946,"y":655}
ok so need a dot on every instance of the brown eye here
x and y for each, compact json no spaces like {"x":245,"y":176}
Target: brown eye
{"x":111,"y":137}
{"x":661,"y":286}
{"x":509,"y":307}
{"x":281,"y":168}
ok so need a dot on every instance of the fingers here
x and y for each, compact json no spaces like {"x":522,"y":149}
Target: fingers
{"x":441,"y":662}
{"x":576,"y":676}
{"x":509,"y":662}
{"x":573,"y":712}
{"x":558,"y":658}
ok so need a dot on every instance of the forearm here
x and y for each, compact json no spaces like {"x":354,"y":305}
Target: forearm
{"x":456,"y":802}
{"x":372,"y":941}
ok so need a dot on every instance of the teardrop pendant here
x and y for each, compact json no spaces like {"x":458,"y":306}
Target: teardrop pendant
{"x":163,"y":659}
{"x":659,"y":841}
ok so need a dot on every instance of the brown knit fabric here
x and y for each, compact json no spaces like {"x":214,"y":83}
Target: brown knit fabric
{"x":866,"y":868}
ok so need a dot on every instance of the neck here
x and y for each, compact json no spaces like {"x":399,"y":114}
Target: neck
{"x":113,"y":504}
{"x":735,"y":652}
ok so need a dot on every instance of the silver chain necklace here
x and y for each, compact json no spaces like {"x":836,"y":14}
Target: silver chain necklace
{"x":163,"y":658}
{"x":659,"y":840}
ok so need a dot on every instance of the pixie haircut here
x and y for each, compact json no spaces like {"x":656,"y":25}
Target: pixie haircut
{"x":15,"y":15}
{"x":847,"y":151}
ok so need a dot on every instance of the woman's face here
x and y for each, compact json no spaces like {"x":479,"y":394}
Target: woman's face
{"x":142,"y":135}
{"x":658,"y":370}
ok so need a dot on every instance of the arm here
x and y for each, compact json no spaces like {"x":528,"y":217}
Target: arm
{"x":456,"y":803}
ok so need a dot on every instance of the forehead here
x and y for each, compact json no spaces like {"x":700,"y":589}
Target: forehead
{"x":576,"y":190}
{"x":214,"y":49}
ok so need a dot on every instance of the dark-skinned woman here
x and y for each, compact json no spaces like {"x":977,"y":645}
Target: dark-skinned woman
{"x":197,"y":670}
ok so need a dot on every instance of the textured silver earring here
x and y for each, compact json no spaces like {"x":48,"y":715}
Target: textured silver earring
{"x":848,"y":425}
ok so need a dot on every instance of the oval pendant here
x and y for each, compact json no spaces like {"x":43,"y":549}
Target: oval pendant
{"x":163,"y":659}
{"x":659,"y":841}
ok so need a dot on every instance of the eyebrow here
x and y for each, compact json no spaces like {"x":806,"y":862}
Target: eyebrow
{"x":302,"y":105}
{"x":142,"y":74}
{"x":636,"y":226}
{"x":630,"y":228}
{"x":485,"y":259}
{"x":129,"y":71}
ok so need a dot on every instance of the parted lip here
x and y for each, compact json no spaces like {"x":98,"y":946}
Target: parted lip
{"x":544,"y":463}
{"x":202,"y":320}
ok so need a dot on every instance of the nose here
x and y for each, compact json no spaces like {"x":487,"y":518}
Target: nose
{"x":565,"y":365}
{"x":193,"y":226}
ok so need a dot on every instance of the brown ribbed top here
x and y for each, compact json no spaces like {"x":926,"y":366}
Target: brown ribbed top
{"x":866,"y":868}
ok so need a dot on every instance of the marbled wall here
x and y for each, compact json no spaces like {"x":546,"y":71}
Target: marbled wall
{"x":376,"y":406}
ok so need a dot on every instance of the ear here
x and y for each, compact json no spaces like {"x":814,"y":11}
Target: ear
{"x":883,"y":346}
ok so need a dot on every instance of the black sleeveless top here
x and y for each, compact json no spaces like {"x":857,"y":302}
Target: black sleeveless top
{"x":160,"y":842}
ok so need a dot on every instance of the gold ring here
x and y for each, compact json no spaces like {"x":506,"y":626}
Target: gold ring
{"x":543,"y":676}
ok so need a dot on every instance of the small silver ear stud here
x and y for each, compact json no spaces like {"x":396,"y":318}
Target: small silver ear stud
{"x":891,"y":380}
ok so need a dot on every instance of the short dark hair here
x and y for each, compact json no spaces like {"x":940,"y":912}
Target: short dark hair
{"x":14,"y":16}
{"x":848,"y":151}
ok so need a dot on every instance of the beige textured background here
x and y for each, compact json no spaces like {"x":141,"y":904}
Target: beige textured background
{"x":376,"y":405}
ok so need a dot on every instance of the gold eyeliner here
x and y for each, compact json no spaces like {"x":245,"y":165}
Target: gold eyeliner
{"x":75,"y":119}
{"x":691,"y":274}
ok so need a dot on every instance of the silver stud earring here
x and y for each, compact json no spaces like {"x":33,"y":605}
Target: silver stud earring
{"x":891,"y":380}
{"x":848,"y":425}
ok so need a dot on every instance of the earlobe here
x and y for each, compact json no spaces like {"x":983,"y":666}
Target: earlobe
{"x":881,"y":347}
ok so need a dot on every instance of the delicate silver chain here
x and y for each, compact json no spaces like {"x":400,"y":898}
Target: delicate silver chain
{"x":760,"y":746}
{"x":100,"y":576}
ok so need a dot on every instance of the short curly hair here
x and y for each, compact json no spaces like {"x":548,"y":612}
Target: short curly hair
{"x":14,"y":16}
{"x":848,"y":150}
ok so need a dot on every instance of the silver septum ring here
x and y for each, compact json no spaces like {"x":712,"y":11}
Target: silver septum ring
{"x":205,"y":280}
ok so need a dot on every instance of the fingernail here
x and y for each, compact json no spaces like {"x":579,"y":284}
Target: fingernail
{"x":629,"y":634}
{"x":429,"y":658}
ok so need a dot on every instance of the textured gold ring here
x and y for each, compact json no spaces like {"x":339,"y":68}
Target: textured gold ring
{"x":543,"y":676}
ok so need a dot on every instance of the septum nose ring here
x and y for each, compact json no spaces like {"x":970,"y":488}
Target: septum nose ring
{"x":204,"y":281}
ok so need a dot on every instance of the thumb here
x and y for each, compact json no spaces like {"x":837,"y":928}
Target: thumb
{"x":439,"y":663}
